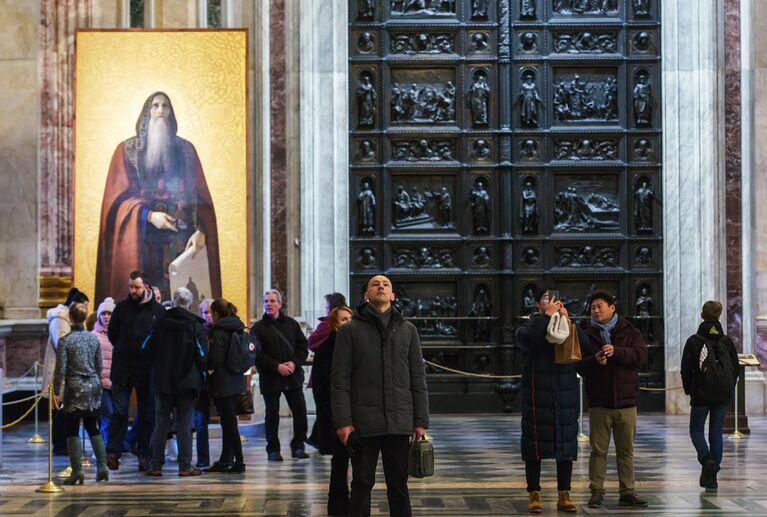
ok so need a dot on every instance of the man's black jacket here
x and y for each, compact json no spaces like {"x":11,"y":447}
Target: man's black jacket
{"x":178,"y":349}
{"x":131,"y":323}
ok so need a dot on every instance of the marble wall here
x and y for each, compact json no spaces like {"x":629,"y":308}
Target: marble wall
{"x":758,"y":82}
{"x":18,"y":159}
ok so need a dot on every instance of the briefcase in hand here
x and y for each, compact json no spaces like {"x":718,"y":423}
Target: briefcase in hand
{"x":420,"y":463}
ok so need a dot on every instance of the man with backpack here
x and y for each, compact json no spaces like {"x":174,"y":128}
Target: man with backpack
{"x":283,"y":352}
{"x":178,"y":348}
{"x":709,"y":374}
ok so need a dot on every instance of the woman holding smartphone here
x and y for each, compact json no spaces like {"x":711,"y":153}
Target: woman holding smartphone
{"x":549,"y":400}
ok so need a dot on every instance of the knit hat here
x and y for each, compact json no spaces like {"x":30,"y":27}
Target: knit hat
{"x":107,"y":305}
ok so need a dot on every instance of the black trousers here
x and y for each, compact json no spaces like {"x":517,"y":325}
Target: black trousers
{"x":71,"y":423}
{"x":533,"y":475}
{"x":230,"y":433}
{"x":297,"y":405}
{"x":394,"y":453}
{"x":338,"y":491}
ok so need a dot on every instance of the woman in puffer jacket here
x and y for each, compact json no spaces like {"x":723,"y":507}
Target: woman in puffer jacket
{"x":103,"y":315}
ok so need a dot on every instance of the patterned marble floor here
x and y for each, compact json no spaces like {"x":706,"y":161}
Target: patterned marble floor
{"x":479,"y":472}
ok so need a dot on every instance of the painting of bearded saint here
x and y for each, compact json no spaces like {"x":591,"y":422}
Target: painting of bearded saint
{"x":156,"y":207}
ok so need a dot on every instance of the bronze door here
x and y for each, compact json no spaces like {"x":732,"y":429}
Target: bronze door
{"x":500,"y":145}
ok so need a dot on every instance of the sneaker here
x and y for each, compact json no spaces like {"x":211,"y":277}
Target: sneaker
{"x":112,"y":462}
{"x":171,"y":450}
{"x":632,"y":499}
{"x":300,"y":454}
{"x":185,"y":473}
{"x":597,"y":498}
{"x":200,"y":465}
{"x":143,"y":464}
{"x":274,"y":456}
{"x":153,"y":472}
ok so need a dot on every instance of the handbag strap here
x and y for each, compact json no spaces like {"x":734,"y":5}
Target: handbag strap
{"x":282,"y":338}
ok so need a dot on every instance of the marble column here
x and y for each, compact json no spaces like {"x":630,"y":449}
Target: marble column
{"x":324,"y":153}
{"x":19,"y":79}
{"x":693,"y":175}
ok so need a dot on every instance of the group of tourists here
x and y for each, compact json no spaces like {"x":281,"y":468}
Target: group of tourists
{"x":369,"y":387}
{"x":612,"y":350}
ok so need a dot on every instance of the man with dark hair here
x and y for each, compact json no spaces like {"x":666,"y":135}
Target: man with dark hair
{"x":709,"y":373}
{"x":178,"y":348}
{"x":279,"y":363}
{"x":379,"y":398}
{"x":131,"y":323}
{"x":612,"y":357}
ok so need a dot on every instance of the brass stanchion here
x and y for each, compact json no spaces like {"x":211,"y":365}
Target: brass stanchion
{"x":36,"y":438}
{"x":50,"y":487}
{"x":737,"y":435}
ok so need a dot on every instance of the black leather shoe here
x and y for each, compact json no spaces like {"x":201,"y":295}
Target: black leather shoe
{"x":632,"y":499}
{"x":707,"y":473}
{"x":218,"y":467}
{"x":274,"y":456}
{"x":300,"y":454}
{"x":597,"y":498}
{"x":237,"y":468}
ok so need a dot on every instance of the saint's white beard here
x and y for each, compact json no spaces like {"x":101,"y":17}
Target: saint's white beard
{"x":157,"y":146}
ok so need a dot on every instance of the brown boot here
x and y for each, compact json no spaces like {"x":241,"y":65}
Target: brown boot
{"x":534,"y":502}
{"x":564,"y":504}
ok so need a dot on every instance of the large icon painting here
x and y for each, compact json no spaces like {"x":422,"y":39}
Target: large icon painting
{"x":161,"y":162}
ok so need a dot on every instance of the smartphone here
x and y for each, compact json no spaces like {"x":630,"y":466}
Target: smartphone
{"x":553,"y":295}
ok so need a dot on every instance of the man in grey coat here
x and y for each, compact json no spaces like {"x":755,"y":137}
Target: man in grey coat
{"x":378,"y":396}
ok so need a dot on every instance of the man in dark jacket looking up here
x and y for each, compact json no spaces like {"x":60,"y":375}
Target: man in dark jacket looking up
{"x":378,"y":396}
{"x":611,"y":360}
{"x":178,"y":348}
{"x":283,"y":352}
{"x":706,"y":399}
{"x":132,"y":321}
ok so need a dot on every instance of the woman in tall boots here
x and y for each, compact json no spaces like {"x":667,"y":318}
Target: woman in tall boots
{"x":78,"y":367}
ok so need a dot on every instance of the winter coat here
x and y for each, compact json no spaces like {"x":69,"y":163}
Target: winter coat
{"x":616,"y":384}
{"x":707,"y":331}
{"x":316,"y":339}
{"x":131,"y":323}
{"x":106,"y":354}
{"x":178,"y":351}
{"x":222,"y":382}
{"x":325,"y":434}
{"x":549,"y":397}
{"x":281,"y":340}
{"x":78,"y":367}
{"x":378,"y":382}
{"x":58,"y":327}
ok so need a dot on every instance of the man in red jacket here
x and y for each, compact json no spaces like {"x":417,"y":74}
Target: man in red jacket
{"x":611,"y":359}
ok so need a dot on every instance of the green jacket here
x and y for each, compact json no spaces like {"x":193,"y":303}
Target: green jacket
{"x":378,"y":382}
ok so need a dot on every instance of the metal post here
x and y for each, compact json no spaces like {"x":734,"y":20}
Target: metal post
{"x":50,"y":487}
{"x":736,"y":435}
{"x":36,"y":438}
{"x":581,"y":436}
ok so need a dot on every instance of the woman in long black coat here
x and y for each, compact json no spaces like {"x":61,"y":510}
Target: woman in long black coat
{"x":326,"y":438}
{"x":224,"y":385}
{"x":549,"y":405}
